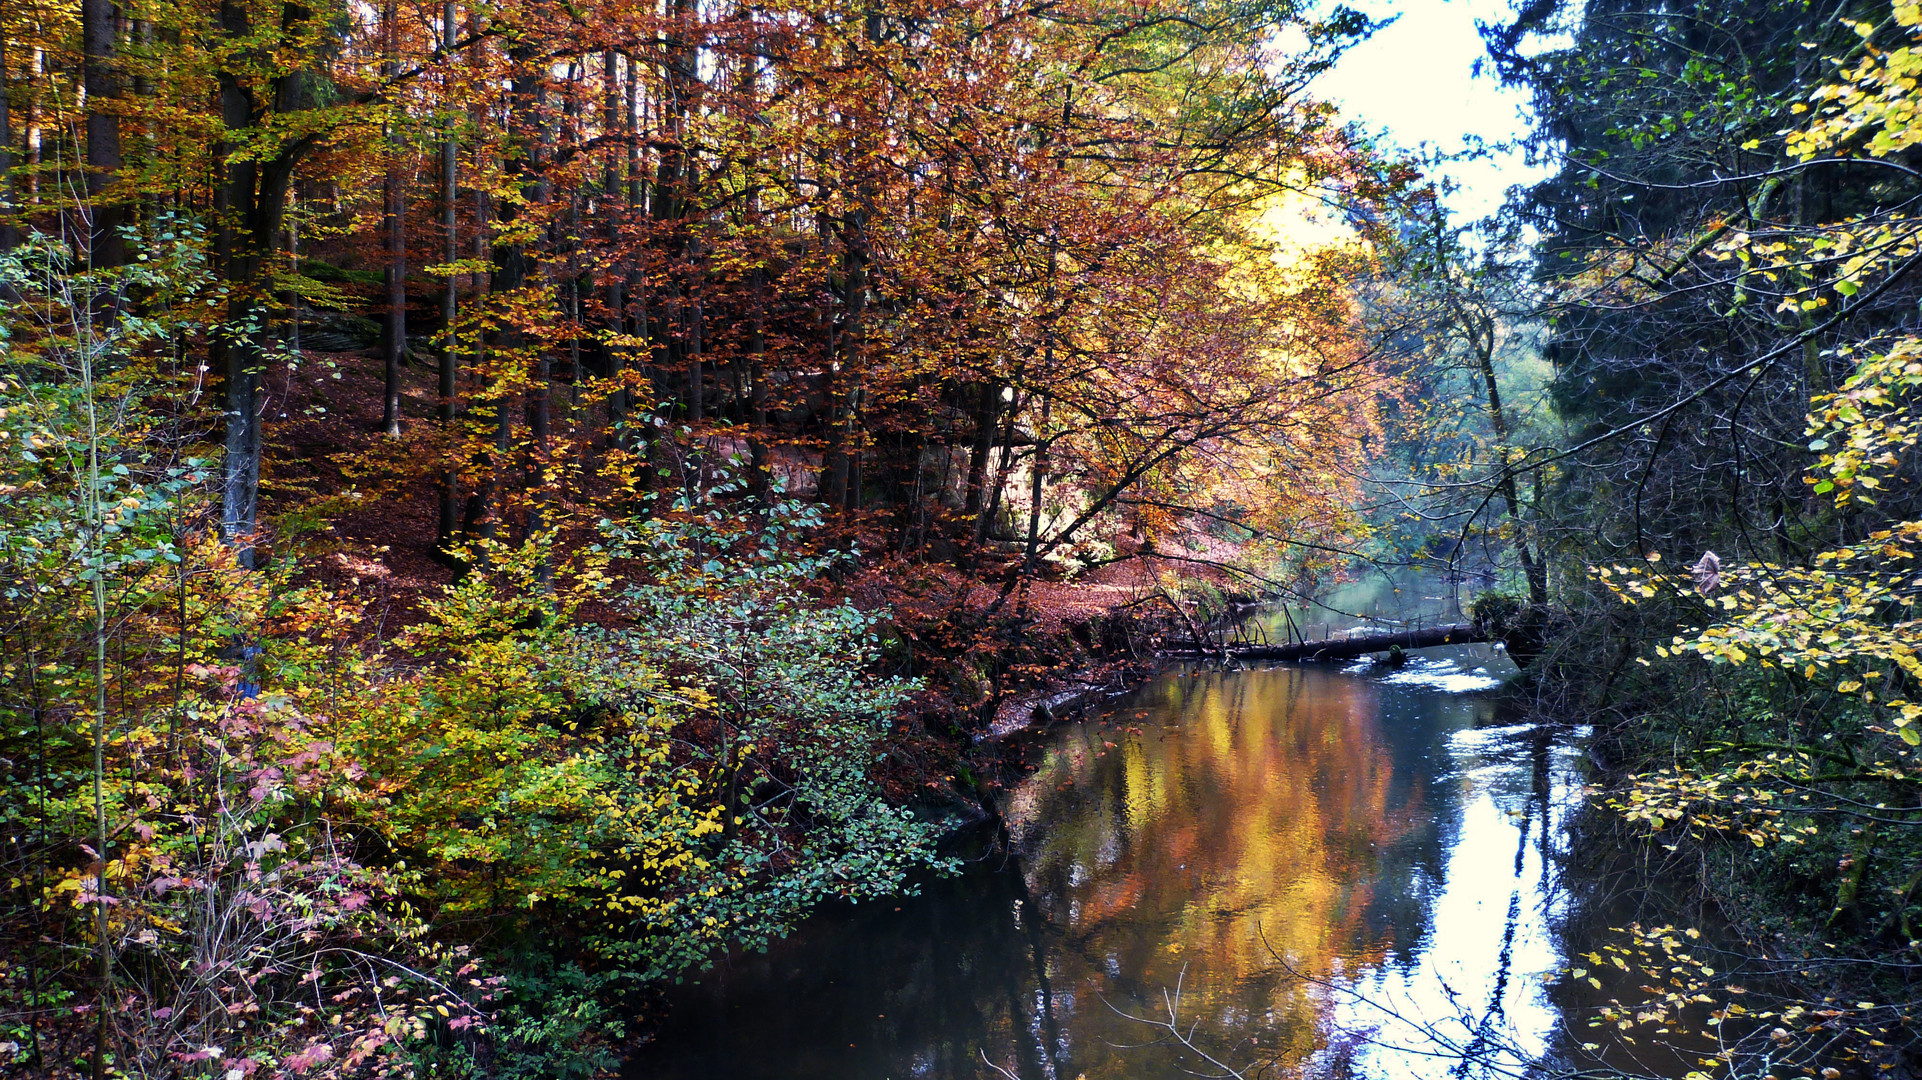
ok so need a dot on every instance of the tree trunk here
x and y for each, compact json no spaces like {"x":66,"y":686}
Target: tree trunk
{"x":635,"y":293}
{"x":678,"y":343}
{"x":293,"y":299}
{"x":844,"y":495}
{"x":614,"y":295}
{"x":696,"y":375}
{"x":106,"y":247}
{"x":30,"y":131}
{"x":251,"y":200}
{"x":1040,"y":479}
{"x":1482,"y":330}
{"x":833,"y":461}
{"x":394,"y":204}
{"x":1001,"y":468}
{"x":759,"y":482}
{"x":1042,"y":442}
{"x":142,"y":32}
{"x":482,"y":516}
{"x":9,"y":198}
{"x":449,"y":310}
{"x":984,"y":417}
{"x":240,"y":472}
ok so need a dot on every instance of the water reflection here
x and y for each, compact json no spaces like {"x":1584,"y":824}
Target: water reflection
{"x":1335,"y":867}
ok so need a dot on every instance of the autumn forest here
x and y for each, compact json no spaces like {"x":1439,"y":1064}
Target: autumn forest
{"x":506,"y":506}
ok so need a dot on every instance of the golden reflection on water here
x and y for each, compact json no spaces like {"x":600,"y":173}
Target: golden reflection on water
{"x":1293,"y":847}
{"x":1231,"y":840}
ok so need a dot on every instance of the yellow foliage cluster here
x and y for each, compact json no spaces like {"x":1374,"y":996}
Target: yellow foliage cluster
{"x":1874,"y":100}
{"x":1729,"y":803}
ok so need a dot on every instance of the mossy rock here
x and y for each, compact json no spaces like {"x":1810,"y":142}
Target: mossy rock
{"x":334,"y":275}
{"x":339,"y":333}
{"x":895,"y":645}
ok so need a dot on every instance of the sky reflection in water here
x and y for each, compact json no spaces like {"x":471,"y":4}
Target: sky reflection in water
{"x":1299,"y":849}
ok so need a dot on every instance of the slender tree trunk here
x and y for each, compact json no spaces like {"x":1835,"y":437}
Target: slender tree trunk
{"x":448,"y":389}
{"x":679,"y":343}
{"x":1532,"y":567}
{"x":293,"y":296}
{"x":755,"y":360}
{"x":1001,"y":470}
{"x":240,"y":474}
{"x":9,"y":193}
{"x":1034,"y":495}
{"x":251,"y":199}
{"x":614,"y":298}
{"x":634,"y":294}
{"x":847,"y":495}
{"x":760,"y":482}
{"x":30,"y":128}
{"x":696,"y":375}
{"x":830,"y":407}
{"x":509,"y":275}
{"x":394,"y":335}
{"x":483,"y":246}
{"x":142,"y":33}
{"x":857,"y":455}
{"x":985,"y":414}
{"x":96,"y":526}
{"x":1042,"y":441}
{"x":832,"y":487}
{"x":540,"y":405}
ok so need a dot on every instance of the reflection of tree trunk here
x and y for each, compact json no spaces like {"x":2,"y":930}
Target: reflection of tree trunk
{"x":1038,"y":952}
{"x":1543,"y":786}
{"x":1027,"y":1064}
{"x":1487,"y":1026}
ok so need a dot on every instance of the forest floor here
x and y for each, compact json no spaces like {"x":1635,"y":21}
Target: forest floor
{"x":985,"y":659}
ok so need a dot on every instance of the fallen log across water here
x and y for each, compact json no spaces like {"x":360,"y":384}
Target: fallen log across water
{"x":1344,"y":648}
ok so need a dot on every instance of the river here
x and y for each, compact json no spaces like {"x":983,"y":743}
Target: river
{"x":1340,"y":872}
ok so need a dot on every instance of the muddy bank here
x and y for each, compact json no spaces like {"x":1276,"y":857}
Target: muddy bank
{"x":973,"y":729}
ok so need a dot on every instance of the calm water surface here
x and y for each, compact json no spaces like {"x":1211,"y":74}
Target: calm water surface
{"x":1331,"y":866}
